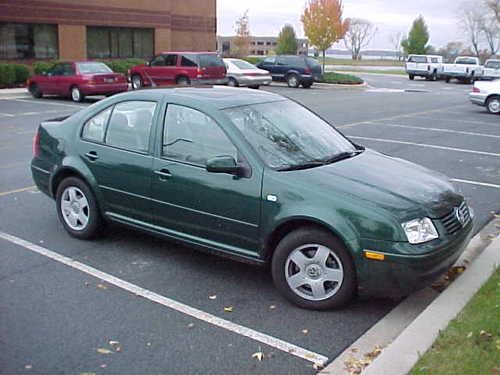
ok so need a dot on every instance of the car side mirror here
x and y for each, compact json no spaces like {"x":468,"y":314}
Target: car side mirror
{"x":147,"y":63}
{"x":224,"y":164}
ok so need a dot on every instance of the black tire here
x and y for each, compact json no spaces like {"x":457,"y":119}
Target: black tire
{"x":293,"y":80}
{"x":76,"y":94}
{"x":232,"y":82}
{"x":434,"y":76}
{"x":255,"y":87}
{"x":411,"y":77}
{"x":182,"y":81}
{"x":448,"y":79}
{"x":489,"y":104}
{"x":136,"y":82}
{"x":35,"y":91}
{"x":95,"y":222}
{"x":311,"y":235}
{"x":307,"y":85}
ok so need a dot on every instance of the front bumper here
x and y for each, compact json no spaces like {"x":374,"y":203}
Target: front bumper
{"x":104,"y":89}
{"x":478,"y":98}
{"x":402,"y":272}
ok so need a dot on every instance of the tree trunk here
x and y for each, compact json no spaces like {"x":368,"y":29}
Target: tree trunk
{"x":324,"y":53}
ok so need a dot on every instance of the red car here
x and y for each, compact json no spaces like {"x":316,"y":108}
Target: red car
{"x":77,"y":79}
{"x":181,"y":68}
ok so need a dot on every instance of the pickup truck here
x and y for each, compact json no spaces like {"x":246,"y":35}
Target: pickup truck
{"x":427,"y":66}
{"x":466,"y":69}
{"x":491,"y":70}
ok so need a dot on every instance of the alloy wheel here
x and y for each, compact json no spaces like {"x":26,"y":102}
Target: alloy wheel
{"x":494,"y":105}
{"x":75,"y":208}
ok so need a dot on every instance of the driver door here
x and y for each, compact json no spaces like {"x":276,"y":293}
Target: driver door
{"x":191,"y":203}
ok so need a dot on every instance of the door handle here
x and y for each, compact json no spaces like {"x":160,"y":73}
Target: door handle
{"x":163,"y":174}
{"x":92,"y":155}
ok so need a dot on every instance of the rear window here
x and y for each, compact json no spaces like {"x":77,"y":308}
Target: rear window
{"x":210,"y":61}
{"x":93,"y":68}
{"x":189,"y":60}
{"x":493,"y":65}
{"x":312,"y":62}
{"x":291,"y":60}
{"x":466,"y":61}
{"x":241,"y":64}
{"x":417,"y":59}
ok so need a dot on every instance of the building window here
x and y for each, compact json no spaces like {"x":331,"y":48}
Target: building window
{"x":260,"y":43}
{"x":119,"y":42}
{"x":28,"y":41}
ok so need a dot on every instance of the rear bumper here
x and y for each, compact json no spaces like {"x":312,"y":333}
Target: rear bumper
{"x":399,"y":275}
{"x":253,"y":81}
{"x":103,"y":89}
{"x":419,"y":73}
{"x":210,"y":81}
{"x":478,"y":98}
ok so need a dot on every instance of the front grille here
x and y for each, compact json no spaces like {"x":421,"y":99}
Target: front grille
{"x":451,"y":222}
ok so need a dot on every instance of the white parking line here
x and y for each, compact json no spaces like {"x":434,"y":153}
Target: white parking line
{"x":455,"y":119}
{"x":439,"y":130}
{"x":485,"y":184}
{"x":427,"y":145}
{"x":7,"y":114}
{"x":170,"y":303}
{"x":46,"y":102}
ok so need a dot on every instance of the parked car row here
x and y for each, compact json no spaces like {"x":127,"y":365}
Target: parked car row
{"x":465,"y":69}
{"x":82,"y":78}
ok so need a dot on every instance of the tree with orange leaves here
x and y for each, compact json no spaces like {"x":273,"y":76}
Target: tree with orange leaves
{"x":323,"y":23}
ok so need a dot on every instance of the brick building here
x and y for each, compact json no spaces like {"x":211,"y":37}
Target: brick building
{"x":76,"y":29}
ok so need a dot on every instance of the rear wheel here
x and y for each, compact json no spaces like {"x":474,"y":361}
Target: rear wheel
{"x":313,"y":269}
{"x":293,"y":80}
{"x":434,"y":76}
{"x":182,"y":81}
{"x":411,"y":77}
{"x":35,"y":91}
{"x":77,"y":209}
{"x":448,"y":79}
{"x":136,"y":82}
{"x":493,"y":105}
{"x":76,"y":94}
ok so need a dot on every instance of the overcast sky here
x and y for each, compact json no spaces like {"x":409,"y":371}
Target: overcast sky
{"x":390,"y":16}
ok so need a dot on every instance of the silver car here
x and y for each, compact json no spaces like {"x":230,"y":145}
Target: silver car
{"x":242,"y":73}
{"x":487,"y":94}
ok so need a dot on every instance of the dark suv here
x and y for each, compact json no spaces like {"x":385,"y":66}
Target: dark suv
{"x":295,"y":70}
{"x":180,"y":68}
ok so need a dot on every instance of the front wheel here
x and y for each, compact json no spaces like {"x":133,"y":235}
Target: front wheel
{"x":35,"y":91}
{"x":77,"y":209}
{"x":313,"y":269}
{"x":307,"y":85}
{"x":411,"y":77}
{"x":232,"y":82}
{"x":136,"y":81}
{"x":182,"y":81}
{"x":493,"y":105}
{"x":76,"y":94}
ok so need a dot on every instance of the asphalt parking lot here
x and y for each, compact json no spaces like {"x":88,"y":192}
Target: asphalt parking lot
{"x":55,"y":315}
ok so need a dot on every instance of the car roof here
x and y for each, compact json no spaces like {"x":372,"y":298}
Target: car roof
{"x":219,"y":97}
{"x":190,"y":52}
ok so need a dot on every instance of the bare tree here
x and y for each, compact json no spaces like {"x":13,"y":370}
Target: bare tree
{"x":494,"y":5}
{"x":358,"y":35}
{"x":472,"y":18}
{"x":241,"y":41}
{"x":491,"y":32}
{"x":396,"y":40}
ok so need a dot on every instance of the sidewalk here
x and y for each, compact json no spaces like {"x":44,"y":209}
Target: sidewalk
{"x":14,"y":93}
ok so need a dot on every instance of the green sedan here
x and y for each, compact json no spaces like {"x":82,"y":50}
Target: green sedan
{"x":254,"y":176}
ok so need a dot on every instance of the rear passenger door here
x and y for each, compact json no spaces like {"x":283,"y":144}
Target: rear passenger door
{"x":115,"y":146}
{"x":162,"y":69}
{"x":269,"y":64}
{"x":282,"y":67}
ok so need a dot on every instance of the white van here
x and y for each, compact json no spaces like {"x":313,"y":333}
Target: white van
{"x":427,"y":66}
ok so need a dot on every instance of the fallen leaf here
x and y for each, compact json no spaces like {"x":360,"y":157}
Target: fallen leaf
{"x":102,"y":286}
{"x":115,"y":345}
{"x":28,"y":367}
{"x":317,"y":366}
{"x":259,"y":356}
{"x":305,"y":331}
{"x":469,"y":335}
{"x":228,"y":309}
{"x":148,"y":344}
{"x":103,"y":365}
{"x":272,"y":307}
{"x":212,"y":297}
{"x":104,"y":351}
{"x":190,"y":325}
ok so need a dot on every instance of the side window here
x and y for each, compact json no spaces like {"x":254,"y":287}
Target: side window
{"x":189,"y":60}
{"x":191,"y":136}
{"x":95,"y":128}
{"x":130,"y":125}
{"x":282,"y":61}
{"x":170,"y":60}
{"x":269,"y":60}
{"x":57,"y":70}
{"x":158,"y":61}
{"x":434,"y":60}
{"x":68,"y":70}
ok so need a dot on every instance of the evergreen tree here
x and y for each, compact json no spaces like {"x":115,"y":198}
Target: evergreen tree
{"x":416,"y":43}
{"x":287,"y":41}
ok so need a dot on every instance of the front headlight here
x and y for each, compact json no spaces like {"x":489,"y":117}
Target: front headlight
{"x":420,"y":230}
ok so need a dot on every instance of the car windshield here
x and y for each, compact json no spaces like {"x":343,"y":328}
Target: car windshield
{"x":466,"y":61}
{"x":493,"y":65}
{"x":288,"y":136}
{"x":93,"y":68}
{"x":210,"y":61}
{"x":241,"y":64}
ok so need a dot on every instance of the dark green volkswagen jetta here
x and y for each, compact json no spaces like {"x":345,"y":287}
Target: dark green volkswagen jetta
{"x":259,"y":177}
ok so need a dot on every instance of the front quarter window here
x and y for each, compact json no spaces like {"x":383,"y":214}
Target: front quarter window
{"x":287,"y":135}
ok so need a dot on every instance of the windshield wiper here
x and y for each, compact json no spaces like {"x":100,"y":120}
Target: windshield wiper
{"x":296,"y":167}
{"x":341,"y":156}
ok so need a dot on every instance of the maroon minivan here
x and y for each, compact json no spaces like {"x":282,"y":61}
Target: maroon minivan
{"x":179,"y":68}
{"x":76,"y":80}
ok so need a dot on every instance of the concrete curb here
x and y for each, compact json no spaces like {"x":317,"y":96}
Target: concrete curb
{"x":404,"y":352}
{"x":14,"y":93}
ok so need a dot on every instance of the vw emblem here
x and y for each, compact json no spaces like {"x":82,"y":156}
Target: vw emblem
{"x":460,"y":216}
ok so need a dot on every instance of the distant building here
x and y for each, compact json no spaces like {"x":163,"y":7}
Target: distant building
{"x":91,"y":29}
{"x":259,"y":45}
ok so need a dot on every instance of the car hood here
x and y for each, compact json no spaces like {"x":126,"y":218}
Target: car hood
{"x":404,"y":188}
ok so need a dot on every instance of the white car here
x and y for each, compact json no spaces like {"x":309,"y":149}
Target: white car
{"x":487,"y":94}
{"x":491,"y":69}
{"x":465,"y":68}
{"x":427,"y":66}
{"x":242,"y":73}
